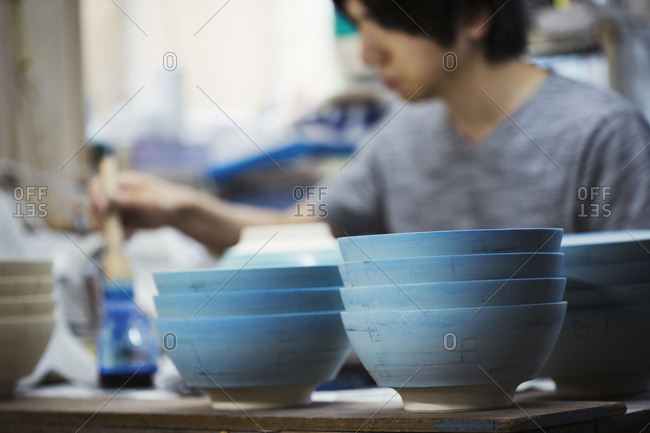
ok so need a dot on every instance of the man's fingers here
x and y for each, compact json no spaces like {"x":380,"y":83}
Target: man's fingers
{"x":98,"y":199}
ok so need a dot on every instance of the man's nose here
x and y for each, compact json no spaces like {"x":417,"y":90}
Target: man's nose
{"x":372,"y":54}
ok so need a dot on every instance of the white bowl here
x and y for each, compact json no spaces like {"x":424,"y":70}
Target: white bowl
{"x":25,"y":286}
{"x":25,"y":267}
{"x":15,"y":306}
{"x":23,"y":340}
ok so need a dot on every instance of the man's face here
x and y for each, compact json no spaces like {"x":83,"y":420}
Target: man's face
{"x":404,"y":62}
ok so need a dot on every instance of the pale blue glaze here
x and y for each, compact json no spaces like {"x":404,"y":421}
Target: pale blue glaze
{"x":248,"y":302}
{"x":253,"y":351}
{"x":247,"y":278}
{"x":602,"y":343}
{"x":608,"y":274}
{"x":453,"y":294}
{"x":605,"y":247}
{"x":460,"y":242}
{"x":510,"y":343}
{"x":451,"y":268}
{"x":608,"y":297}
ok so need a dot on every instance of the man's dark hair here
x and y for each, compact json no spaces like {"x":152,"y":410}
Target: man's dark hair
{"x":439,"y":19}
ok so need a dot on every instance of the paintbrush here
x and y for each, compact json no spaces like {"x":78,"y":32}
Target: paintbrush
{"x":127,"y":349}
{"x":114,"y":263}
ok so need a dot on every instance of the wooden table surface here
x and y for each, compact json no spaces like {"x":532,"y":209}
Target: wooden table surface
{"x":190,"y":415}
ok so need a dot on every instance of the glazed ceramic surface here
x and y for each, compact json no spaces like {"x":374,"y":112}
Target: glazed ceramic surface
{"x":606,"y":247}
{"x":451,"y":268}
{"x":248,"y":302}
{"x":602,"y":343}
{"x":256,"y":351}
{"x":461,"y":242}
{"x":608,"y":297}
{"x":609,"y":274}
{"x":214,"y":280}
{"x":455,"y":347}
{"x":453,"y":294}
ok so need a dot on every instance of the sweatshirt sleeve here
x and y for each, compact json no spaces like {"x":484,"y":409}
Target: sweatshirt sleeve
{"x":614,"y":177}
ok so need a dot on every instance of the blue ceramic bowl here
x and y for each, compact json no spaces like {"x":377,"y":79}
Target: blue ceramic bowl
{"x":455,"y":351}
{"x":451,"y":268}
{"x":215,"y":280}
{"x":609,"y":348}
{"x":294,"y":258}
{"x":609,"y":274}
{"x":608,"y":297}
{"x":606,"y":247}
{"x":453,"y":294}
{"x":290,"y":353}
{"x":462,"y":242}
{"x":248,"y":302}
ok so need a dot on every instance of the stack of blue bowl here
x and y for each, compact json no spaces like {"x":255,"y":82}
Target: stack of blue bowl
{"x":254,"y":338}
{"x":604,"y":346}
{"x":453,"y":320}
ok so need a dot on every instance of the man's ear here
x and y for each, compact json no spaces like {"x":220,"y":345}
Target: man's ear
{"x":477,"y":27}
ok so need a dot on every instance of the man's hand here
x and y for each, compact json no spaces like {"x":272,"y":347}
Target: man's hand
{"x":144,"y":201}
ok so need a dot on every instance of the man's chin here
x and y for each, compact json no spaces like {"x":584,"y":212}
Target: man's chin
{"x":415,"y":94}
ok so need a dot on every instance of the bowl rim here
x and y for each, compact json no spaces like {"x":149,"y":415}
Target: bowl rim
{"x":445,"y":232}
{"x":641,"y":235}
{"x":28,"y":299}
{"x":557,"y":304}
{"x":554,"y":280}
{"x":450,"y":257}
{"x":278,"y":270}
{"x":324,"y":289}
{"x":254,"y":316}
{"x":39,"y":319}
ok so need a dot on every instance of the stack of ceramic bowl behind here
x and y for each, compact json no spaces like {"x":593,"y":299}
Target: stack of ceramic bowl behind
{"x":26,"y":318}
{"x":453,"y":320}
{"x":306,"y":244}
{"x":604,"y":347}
{"x":253,"y":338}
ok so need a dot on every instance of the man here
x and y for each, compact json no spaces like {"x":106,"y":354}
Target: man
{"x":483,"y":140}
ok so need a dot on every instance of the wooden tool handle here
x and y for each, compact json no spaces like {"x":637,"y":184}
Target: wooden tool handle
{"x":114,"y":264}
{"x":113,"y":231}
